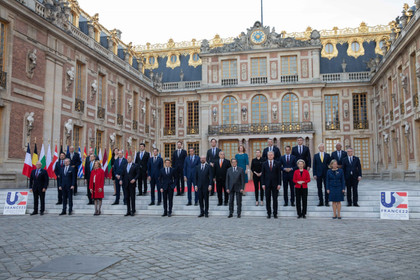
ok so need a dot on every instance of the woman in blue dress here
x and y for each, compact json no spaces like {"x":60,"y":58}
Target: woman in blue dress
{"x":243,"y":161}
{"x":336,"y":186}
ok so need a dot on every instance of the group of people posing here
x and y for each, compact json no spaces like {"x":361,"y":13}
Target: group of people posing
{"x":209,"y":174}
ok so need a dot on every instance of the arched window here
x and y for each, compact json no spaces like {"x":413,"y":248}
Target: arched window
{"x":230,"y":110}
{"x":290,"y":108}
{"x":259,"y":109}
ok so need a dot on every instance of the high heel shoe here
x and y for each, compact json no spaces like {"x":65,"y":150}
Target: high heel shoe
{"x":262,"y":203}
{"x":256,"y":203}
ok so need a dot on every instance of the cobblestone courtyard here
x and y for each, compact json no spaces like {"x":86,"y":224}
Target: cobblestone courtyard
{"x":213,"y":248}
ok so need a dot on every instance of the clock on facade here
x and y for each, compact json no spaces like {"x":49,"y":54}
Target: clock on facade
{"x":258,"y":37}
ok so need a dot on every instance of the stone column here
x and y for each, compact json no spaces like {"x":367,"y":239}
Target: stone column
{"x":204,"y":124}
{"x":316,"y":65}
{"x":317,"y":117}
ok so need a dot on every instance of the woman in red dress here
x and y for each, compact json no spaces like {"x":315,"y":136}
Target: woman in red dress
{"x":301,"y":178}
{"x":96,"y":186}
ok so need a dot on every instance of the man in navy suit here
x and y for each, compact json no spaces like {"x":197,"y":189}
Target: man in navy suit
{"x":212,"y":158}
{"x":189,"y":171}
{"x":302,"y":152}
{"x":271,"y":148}
{"x":271,"y":183}
{"x":59,"y":165}
{"x":142,"y":158}
{"x":38,"y":185}
{"x":88,"y":169}
{"x":353,"y":174}
{"x":119,"y":165}
{"x":167,"y":179}
{"x":288,"y":166}
{"x":203,"y":178}
{"x":129,"y":176}
{"x":219,"y":170}
{"x":154,"y":166}
{"x":339,"y":155}
{"x":66,"y":184}
{"x":178,"y":159}
{"x":321,"y":164}
{"x":75,"y":162}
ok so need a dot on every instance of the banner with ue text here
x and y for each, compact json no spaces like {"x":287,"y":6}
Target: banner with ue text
{"x":15,"y":203}
{"x":394,"y":205}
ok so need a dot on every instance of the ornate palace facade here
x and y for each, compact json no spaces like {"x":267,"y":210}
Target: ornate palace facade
{"x":66,"y":79}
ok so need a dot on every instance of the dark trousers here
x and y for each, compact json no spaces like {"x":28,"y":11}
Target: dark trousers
{"x":258,"y":188}
{"x":271,"y":192}
{"x":322,"y":180}
{"x":168,"y":198}
{"x":153,"y":183}
{"x":352,"y":194}
{"x":212,"y":188}
{"x":130,"y":191}
{"x":232,"y":195}
{"x":59,"y":194}
{"x":203,"y":198}
{"x":190,"y":188}
{"x":221,"y":189}
{"x":41,"y":195}
{"x":142,"y":182}
{"x":301,"y":201}
{"x":288,"y":184}
{"x":118,"y":194}
{"x":179,"y":179}
{"x":75,"y":184}
{"x":67,"y":194}
{"x":88,"y":193}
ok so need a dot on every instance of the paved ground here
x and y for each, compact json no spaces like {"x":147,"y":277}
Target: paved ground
{"x":213,"y":248}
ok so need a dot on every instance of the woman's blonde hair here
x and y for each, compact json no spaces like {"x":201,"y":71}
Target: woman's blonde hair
{"x":301,"y":160}
{"x":331,"y":163}
{"x":98,"y":162}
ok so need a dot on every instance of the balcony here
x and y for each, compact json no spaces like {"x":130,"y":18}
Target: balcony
{"x":361,"y":124}
{"x":229,"y":82}
{"x":119,"y":119}
{"x":181,"y":85}
{"x":263,"y":128}
{"x":169,"y":131}
{"x":101,"y":113}
{"x":3,"y":79}
{"x":258,"y":80}
{"x":135,"y":125}
{"x":335,"y":125}
{"x":346,"y":77}
{"x":289,"y":79}
{"x":193,"y":129}
{"x":79,"y":105}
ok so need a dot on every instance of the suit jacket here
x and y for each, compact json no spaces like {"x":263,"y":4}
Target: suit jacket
{"x":118,"y":168}
{"x":320,"y":168}
{"x":142,"y":163}
{"x":210,"y":157}
{"x":69,"y":179}
{"x":290,"y":164}
{"x":235,"y":180}
{"x":75,"y":161}
{"x":178,"y":161}
{"x":353,"y":170}
{"x":304,"y":177}
{"x":277,"y":153}
{"x":58,"y":167}
{"x":167,"y":181}
{"x":127,"y":176}
{"x":87,"y":163}
{"x":88,"y":171}
{"x":153,"y":168}
{"x":220,"y":172}
{"x":306,"y":155}
{"x":203,"y":178}
{"x":334,"y":155}
{"x":37,"y":183}
{"x":189,"y":167}
{"x":271,"y":178}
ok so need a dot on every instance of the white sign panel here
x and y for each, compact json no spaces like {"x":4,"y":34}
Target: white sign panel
{"x":15,"y":203}
{"x":394,"y":205}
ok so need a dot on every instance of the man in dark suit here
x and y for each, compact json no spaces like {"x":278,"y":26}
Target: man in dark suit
{"x":339,"y":155}
{"x":142,"y":158}
{"x":66,"y":184}
{"x":154,"y":166}
{"x":235,"y":184}
{"x":271,"y":148}
{"x":321,"y":164}
{"x":178,"y":159}
{"x":75,"y":161}
{"x":219,"y":170}
{"x":213,"y":157}
{"x":166,"y":187}
{"x":271,"y":183}
{"x":38,"y":185}
{"x":88,"y":169}
{"x":190,"y":164}
{"x":129,"y":176}
{"x":59,"y":165}
{"x":288,"y":166}
{"x":119,"y":165}
{"x":203,"y":178}
{"x":302,"y":152}
{"x":353,"y":174}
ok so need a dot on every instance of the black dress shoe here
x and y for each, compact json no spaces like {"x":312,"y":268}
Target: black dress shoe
{"x":115,"y":203}
{"x":300,"y":216}
{"x":226,"y":203}
{"x":169,"y":215}
{"x":349,"y":205}
{"x":178,"y":194}
{"x":304,"y":216}
{"x":207,"y":215}
{"x":139,"y":194}
{"x":114,"y":195}
{"x":320,"y":204}
{"x":34,"y":213}
{"x":356,"y":205}
{"x":196,"y":204}
{"x":230,"y":216}
{"x":159,"y":203}
{"x":201,"y":215}
{"x":293,"y":205}
{"x":127,"y":214}
{"x":70,"y":213}
{"x":42,"y":214}
{"x":275,"y":216}
{"x":327,"y":204}
{"x":239,"y":215}
{"x":59,"y":203}
{"x":268,"y":216}
{"x":164,"y":215}
{"x":285,"y":205}
{"x":219,"y":204}
{"x":90,"y":203}
{"x":151,"y":203}
{"x":132,"y":214}
{"x":62,"y":213}
{"x":189,"y":204}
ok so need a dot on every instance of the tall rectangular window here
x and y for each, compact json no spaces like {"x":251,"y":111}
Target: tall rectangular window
{"x":259,"y":67}
{"x":101,"y":90}
{"x":120,"y":107}
{"x":332,"y":119}
{"x":360,"y":118}
{"x":119,"y":142}
{"x":98,"y":140}
{"x":230,"y":147}
{"x":80,"y":80}
{"x":77,"y":133}
{"x":195,"y":146}
{"x":289,"y":65}
{"x":2,"y":46}
{"x":147,"y":111}
{"x":135,"y":106}
{"x":413,"y":76}
{"x":362,"y":150}
{"x":330,"y":144}
{"x":229,"y":69}
{"x":169,"y":149}
{"x":391,"y":106}
{"x":193,"y":117}
{"x":170,"y":118}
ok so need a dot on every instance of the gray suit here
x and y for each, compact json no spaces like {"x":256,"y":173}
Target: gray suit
{"x":235,"y":182}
